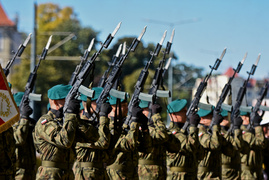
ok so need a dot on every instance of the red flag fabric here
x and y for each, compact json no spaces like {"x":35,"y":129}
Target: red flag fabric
{"x":9,"y":112}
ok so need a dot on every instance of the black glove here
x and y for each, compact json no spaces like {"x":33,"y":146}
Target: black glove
{"x":256,"y":119}
{"x":136,"y":113}
{"x":194,"y":119}
{"x":237,"y":122}
{"x":73,"y":106}
{"x":217,"y":117}
{"x":156,"y":108}
{"x":144,"y":121}
{"x":26,"y":110}
{"x":105,"y":109}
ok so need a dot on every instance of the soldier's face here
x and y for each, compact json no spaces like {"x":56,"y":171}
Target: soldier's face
{"x":206,"y":120}
{"x":145,"y":111}
{"x":225,"y":122}
{"x":245,"y":120}
{"x":56,"y":104}
{"x":179,"y":116}
{"x":93,"y":106}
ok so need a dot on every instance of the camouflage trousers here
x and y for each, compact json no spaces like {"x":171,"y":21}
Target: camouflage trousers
{"x":231,"y":174}
{"x":90,"y":173}
{"x":151,"y":172}
{"x":54,"y":173}
{"x":128,"y":173}
{"x":25,"y":174}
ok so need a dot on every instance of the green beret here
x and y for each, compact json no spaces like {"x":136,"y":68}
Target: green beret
{"x":17,"y":97}
{"x":9,"y":85}
{"x":83,"y":97}
{"x":59,"y":91}
{"x":205,"y":109}
{"x":143,"y":104}
{"x":224,"y":113}
{"x":245,"y":110}
{"x":81,"y":106}
{"x":176,"y":105}
{"x":113,"y":100}
{"x":97,"y":92}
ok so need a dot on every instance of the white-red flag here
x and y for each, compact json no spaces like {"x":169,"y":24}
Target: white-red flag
{"x":9,"y":112}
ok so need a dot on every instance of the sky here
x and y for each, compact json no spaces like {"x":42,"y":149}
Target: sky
{"x":203,"y":28}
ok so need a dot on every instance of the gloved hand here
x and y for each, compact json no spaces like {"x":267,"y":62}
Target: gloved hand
{"x":136,"y":113}
{"x":144,"y":121}
{"x":217,"y":117}
{"x":105,"y":109}
{"x":73,"y":106}
{"x":237,"y":122}
{"x":194,"y":119}
{"x":256,"y":119}
{"x":26,"y":110}
{"x":156,"y":108}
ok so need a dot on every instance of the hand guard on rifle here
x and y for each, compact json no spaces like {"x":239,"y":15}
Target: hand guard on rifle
{"x":256,"y":119}
{"x":73,"y":106}
{"x":26,"y":110}
{"x":105,"y":109}
{"x":156,"y":108}
{"x":218,"y":118}
{"x":238,"y":122}
{"x":194,"y":119}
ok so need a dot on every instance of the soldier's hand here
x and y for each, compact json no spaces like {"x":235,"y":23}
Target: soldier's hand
{"x":105,"y":109}
{"x":156,"y":108}
{"x":194,"y":119}
{"x":144,"y":121}
{"x":73,"y":106}
{"x":136,"y":113}
{"x":218,"y":118}
{"x":237,"y":122}
{"x":256,"y":119}
{"x":26,"y":110}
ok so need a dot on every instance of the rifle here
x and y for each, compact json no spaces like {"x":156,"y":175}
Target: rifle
{"x":240,"y":96}
{"x":111,"y":65}
{"x":79,"y":66}
{"x":139,"y":86}
{"x":194,"y":104}
{"x":18,"y":53}
{"x":32,"y":77}
{"x":115,"y":74}
{"x":225,"y":91}
{"x":88,"y":66}
{"x":159,"y":74}
{"x":257,"y":106}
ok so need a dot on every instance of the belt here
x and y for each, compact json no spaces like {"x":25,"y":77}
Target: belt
{"x":181,"y":169}
{"x":116,"y":166}
{"x":59,"y":165}
{"x":149,"y":162}
{"x":205,"y":169}
{"x":90,"y":164}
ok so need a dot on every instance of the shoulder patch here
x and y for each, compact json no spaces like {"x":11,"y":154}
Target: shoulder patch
{"x":174,"y":132}
{"x":44,"y":121}
{"x":243,"y":132}
{"x":200,"y":134}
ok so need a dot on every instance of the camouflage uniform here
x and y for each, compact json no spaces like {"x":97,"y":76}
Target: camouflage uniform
{"x":152,"y":156}
{"x":53,"y":140}
{"x":25,"y":149}
{"x":90,"y":150}
{"x":124,"y":155}
{"x":7,"y":155}
{"x":251,"y":156}
{"x":231,"y":161}
{"x":210,"y":166}
{"x":181,"y":153}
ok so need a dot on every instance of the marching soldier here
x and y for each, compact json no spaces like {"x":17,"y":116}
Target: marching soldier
{"x":152,"y":155}
{"x":54,"y":135}
{"x":210,"y":166}
{"x":251,"y":156}
{"x":25,"y":149}
{"x":181,"y":148}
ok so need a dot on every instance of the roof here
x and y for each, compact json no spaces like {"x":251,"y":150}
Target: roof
{"x":229,"y":72}
{"x":4,"y":20}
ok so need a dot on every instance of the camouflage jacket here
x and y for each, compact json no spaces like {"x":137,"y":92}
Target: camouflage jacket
{"x":54,"y":138}
{"x":210,"y":165}
{"x":25,"y":149}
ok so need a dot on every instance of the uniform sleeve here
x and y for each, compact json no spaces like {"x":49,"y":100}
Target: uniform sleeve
{"x":208,"y":141}
{"x":190,"y":142}
{"x":21,"y":130}
{"x":144,"y":141}
{"x":128,"y":142}
{"x":51,"y":132}
{"x":159,"y":133}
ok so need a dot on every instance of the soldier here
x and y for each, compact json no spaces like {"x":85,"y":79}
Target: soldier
{"x":152,"y":155}
{"x":124,"y":155}
{"x":251,"y":156}
{"x":265,"y":123}
{"x":181,"y":148}
{"x":210,"y":165}
{"x":231,"y":146}
{"x":54,"y":135}
{"x":89,"y":149}
{"x":25,"y":149}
